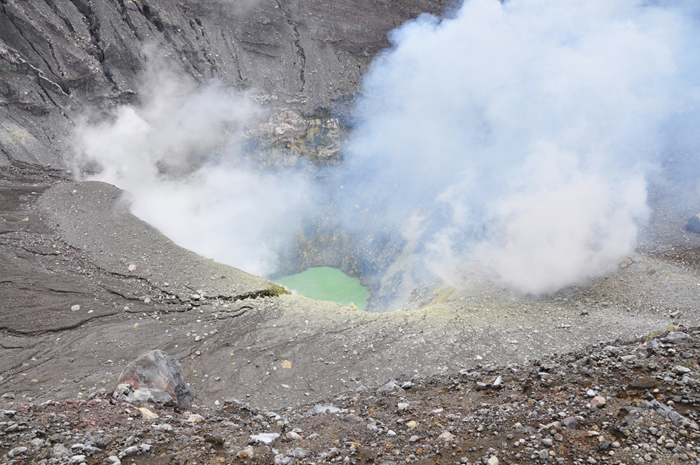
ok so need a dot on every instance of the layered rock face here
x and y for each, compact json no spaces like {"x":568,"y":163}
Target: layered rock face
{"x":59,"y":58}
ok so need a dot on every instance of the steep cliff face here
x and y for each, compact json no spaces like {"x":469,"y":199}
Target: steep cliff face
{"x":59,"y":57}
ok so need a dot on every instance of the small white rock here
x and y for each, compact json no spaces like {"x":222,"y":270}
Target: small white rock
{"x":133,"y":450}
{"x":17,"y":451}
{"x":264,"y":438}
{"x":681,"y":369}
{"x":77,"y":459}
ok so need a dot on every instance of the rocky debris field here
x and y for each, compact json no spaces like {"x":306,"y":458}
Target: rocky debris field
{"x":613,"y":403}
{"x":87,"y":288}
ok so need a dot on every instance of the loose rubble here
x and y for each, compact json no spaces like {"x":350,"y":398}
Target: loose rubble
{"x":615,"y":403}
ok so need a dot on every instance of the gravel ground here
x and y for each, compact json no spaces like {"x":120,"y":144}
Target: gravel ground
{"x":611,"y":403}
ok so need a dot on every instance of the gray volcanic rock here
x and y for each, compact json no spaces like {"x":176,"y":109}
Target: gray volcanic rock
{"x":693,"y":224}
{"x":61,"y":57}
{"x":156,"y":370}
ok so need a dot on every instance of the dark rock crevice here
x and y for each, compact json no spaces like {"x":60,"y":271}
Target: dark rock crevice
{"x":296,"y":38}
{"x":152,"y":16}
{"x":55,"y":330}
{"x":231,"y":49}
{"x":5,"y":158}
{"x":124,"y":11}
{"x":20,"y":29}
{"x":57,"y":11}
{"x":59,"y":71}
{"x":92,"y":22}
{"x":203,"y":44}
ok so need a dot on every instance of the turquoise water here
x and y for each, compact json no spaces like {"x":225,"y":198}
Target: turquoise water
{"x":324,"y":283}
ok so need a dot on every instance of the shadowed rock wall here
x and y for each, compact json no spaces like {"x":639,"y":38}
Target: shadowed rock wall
{"x":58,"y":57}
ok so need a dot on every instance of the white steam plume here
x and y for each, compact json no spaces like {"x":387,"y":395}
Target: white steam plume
{"x":178,"y":157}
{"x":518,"y":134}
{"x":522,"y":133}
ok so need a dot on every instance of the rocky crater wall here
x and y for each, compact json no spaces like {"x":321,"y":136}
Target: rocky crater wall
{"x":61,"y":57}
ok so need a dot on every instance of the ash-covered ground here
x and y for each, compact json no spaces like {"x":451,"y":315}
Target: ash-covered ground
{"x":87,"y":288}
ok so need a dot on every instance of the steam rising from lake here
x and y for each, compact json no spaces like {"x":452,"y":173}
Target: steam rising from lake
{"x":517,"y":135}
{"x":178,"y":156}
{"x":520,"y":134}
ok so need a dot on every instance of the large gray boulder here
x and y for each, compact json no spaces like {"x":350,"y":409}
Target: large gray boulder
{"x":155,"y":370}
{"x":693,"y":224}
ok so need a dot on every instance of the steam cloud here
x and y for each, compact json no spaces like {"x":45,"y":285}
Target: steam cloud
{"x":519,"y":135}
{"x":178,"y":156}
{"x":522,"y":133}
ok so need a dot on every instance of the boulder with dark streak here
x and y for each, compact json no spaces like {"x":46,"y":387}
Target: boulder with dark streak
{"x":155,"y":371}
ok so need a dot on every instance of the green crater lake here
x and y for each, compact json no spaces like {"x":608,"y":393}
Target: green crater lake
{"x":324,"y":283}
